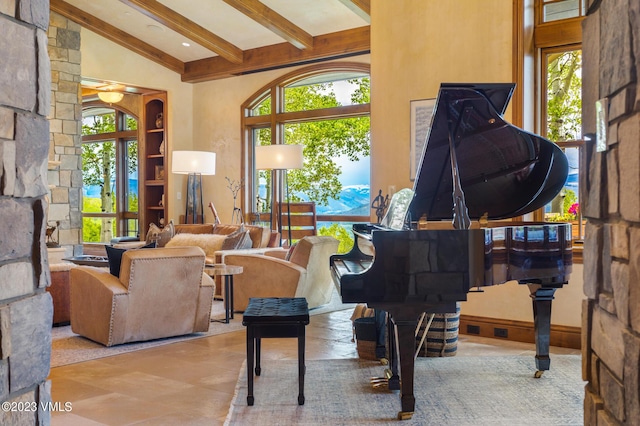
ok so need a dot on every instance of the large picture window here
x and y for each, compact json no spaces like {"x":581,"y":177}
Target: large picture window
{"x":109,"y":174}
{"x":324,"y":108}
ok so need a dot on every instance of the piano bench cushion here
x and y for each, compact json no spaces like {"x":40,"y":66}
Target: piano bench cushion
{"x":276,"y":310}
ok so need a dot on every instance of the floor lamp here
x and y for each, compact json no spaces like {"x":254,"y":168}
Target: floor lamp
{"x":279,"y":158}
{"x":195,"y":164}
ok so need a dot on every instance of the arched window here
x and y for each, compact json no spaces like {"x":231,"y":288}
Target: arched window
{"x":109,"y":173}
{"x":325,"y":108}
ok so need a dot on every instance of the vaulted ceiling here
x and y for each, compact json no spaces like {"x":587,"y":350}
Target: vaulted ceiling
{"x":212,"y":39}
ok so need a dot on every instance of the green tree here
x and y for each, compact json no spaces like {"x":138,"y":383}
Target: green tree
{"x":341,"y":234}
{"x":564,"y":97}
{"x":91,"y":227}
{"x":322,"y":140}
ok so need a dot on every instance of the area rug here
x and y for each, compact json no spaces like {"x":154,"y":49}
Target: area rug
{"x":70,"y":348}
{"x":449,"y":391}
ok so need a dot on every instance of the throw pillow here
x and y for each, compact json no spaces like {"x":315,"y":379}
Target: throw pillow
{"x":235,"y":239}
{"x":238,"y":240}
{"x":160,"y":235}
{"x":114,"y":256}
{"x":246,"y":242}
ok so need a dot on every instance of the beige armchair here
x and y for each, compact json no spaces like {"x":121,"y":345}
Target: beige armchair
{"x":161,"y":292}
{"x":305,"y":274}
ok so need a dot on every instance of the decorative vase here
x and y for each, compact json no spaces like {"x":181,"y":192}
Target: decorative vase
{"x":161,"y":149}
{"x":159,"y":120}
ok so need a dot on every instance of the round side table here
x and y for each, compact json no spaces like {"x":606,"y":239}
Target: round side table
{"x":226,"y":271}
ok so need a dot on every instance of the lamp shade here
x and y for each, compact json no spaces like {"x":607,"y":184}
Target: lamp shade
{"x":110,"y":97}
{"x":187,"y":162}
{"x":276,"y":157}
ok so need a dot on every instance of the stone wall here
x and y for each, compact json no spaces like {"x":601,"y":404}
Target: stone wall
{"x":65,"y":152}
{"x":611,"y":313}
{"x":25,"y":308}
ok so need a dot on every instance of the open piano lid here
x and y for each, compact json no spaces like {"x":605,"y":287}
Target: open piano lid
{"x":504,"y":171}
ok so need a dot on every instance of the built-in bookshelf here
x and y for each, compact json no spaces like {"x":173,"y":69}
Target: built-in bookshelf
{"x":153,"y":202}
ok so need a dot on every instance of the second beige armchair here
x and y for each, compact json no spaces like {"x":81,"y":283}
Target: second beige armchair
{"x":305,"y":274}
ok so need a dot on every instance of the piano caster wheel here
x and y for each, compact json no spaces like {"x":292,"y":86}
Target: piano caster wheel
{"x":405,"y":415}
{"x":538,"y":374}
{"x":300,"y":399}
{"x":250,"y":400}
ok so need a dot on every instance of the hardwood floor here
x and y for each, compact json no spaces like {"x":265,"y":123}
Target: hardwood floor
{"x":192,"y":382}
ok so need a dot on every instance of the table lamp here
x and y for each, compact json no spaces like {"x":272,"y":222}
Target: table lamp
{"x":195,"y":164}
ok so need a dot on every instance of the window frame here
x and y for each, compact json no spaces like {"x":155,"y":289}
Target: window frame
{"x":553,"y":37}
{"x":277,"y":119}
{"x":121,"y":137}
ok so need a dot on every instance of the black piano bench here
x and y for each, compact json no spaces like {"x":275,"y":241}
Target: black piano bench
{"x":274,"y":317}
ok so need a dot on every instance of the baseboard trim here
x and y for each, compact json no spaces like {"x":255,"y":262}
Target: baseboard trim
{"x":519,"y":331}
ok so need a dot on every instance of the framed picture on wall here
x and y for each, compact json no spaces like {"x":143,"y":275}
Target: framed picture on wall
{"x":421,"y":115}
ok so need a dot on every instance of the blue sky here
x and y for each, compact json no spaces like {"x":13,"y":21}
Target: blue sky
{"x":354,"y":173}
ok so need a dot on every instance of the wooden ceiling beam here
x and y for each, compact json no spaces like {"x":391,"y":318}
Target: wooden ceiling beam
{"x":273,"y":21}
{"x":116,"y":35}
{"x":362,"y":8}
{"x":178,"y":23}
{"x":355,"y":41}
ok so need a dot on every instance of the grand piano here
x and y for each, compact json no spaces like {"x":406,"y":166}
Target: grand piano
{"x":449,"y":235}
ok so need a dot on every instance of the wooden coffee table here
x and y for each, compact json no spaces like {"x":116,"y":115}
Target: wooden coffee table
{"x":226,"y":271}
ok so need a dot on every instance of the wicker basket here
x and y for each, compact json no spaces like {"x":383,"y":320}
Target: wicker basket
{"x":442,"y":337}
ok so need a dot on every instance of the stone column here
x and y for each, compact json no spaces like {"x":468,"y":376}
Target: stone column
{"x":611,"y":313}
{"x":25,"y":308}
{"x":65,"y":151}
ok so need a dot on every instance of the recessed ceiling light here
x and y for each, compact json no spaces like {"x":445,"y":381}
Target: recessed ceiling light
{"x":155,"y":28}
{"x":185,"y":44}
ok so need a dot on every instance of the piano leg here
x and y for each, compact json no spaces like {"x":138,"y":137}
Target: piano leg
{"x":402,"y":325}
{"x":542,"y":297}
{"x":405,"y":345}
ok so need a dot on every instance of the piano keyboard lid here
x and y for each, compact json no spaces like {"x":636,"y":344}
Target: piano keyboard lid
{"x":504,"y":171}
